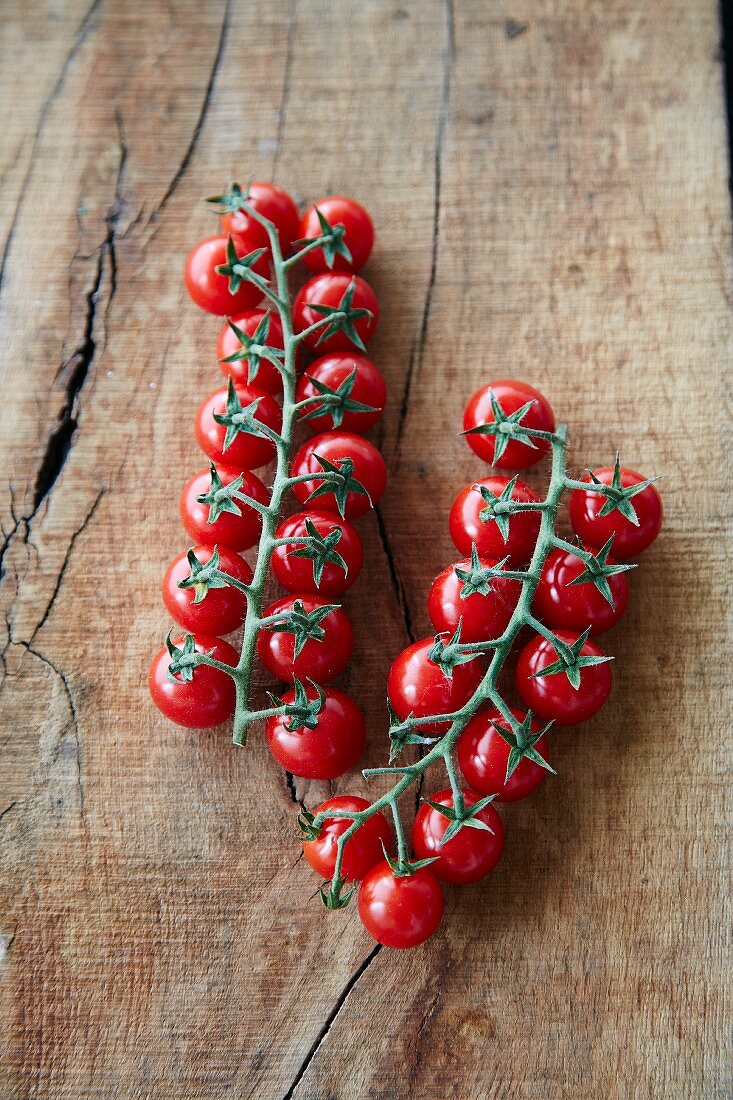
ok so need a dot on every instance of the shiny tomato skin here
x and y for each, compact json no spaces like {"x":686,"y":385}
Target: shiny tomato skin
{"x":268,"y":377}
{"x":332,"y":370}
{"x":329,"y":750}
{"x":296,"y":574}
{"x":511,"y":396}
{"x":328,"y":290}
{"x":415,"y":685}
{"x":468,"y":856}
{"x":246,"y":452}
{"x":229,"y":530}
{"x":566,"y":606}
{"x":628,"y":541}
{"x":361,"y":852}
{"x":482,"y":617}
{"x":369,"y":470}
{"x":205,"y":701}
{"x":321,"y":661}
{"x":358,"y":236}
{"x":400,"y":911}
{"x":210,"y":290}
{"x":271,"y":202}
{"x":553,"y":697}
{"x":483,"y":754}
{"x":466,"y":526}
{"x":222,"y":610}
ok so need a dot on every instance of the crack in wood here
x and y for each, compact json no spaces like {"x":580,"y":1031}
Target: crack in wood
{"x":285,"y":92}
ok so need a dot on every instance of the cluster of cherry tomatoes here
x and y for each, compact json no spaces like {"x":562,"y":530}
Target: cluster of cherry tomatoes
{"x":317,"y":553}
{"x":562,"y":675}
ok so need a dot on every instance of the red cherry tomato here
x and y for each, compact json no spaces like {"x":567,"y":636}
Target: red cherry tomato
{"x":361,"y":851}
{"x":628,"y":540}
{"x":358,"y":236}
{"x":207,"y":699}
{"x":482,"y":617}
{"x":511,"y":396}
{"x":318,"y":660}
{"x":418,"y":686}
{"x":209,"y":289}
{"x":471,"y":853}
{"x":271,"y":202}
{"x":553,"y":697}
{"x":222,"y":609}
{"x":335,"y":447}
{"x":245,"y":452}
{"x":561,"y":604}
{"x":298,"y":574}
{"x":268,"y":377}
{"x":236,"y":532}
{"x":400,"y":910}
{"x":329,"y":290}
{"x":329,"y":750}
{"x":358,"y":380}
{"x":467,"y":527}
{"x":483,"y":755}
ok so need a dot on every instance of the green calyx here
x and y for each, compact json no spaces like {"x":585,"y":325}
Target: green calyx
{"x":522,"y":741}
{"x":504,"y":427}
{"x":302,"y":712}
{"x":498,"y":508}
{"x":402,"y":867}
{"x":232,"y":200}
{"x":477,"y":579}
{"x":303,"y":625}
{"x":240,"y":419}
{"x":203,"y":576}
{"x":307,"y":826}
{"x":597,"y":571}
{"x":571,"y":660}
{"x":331,"y":895}
{"x":331,"y":240}
{"x":255,"y":348}
{"x":338,"y":401}
{"x":220,"y":497}
{"x":238,"y":269}
{"x":447,"y":655}
{"x":618,"y":497}
{"x":338,"y":479}
{"x":342,"y":318}
{"x":462,"y":816}
{"x":402,"y":733}
{"x":321,"y":550}
{"x":183,"y":659}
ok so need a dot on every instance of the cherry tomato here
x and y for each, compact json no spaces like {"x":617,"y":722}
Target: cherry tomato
{"x":513,"y":454}
{"x":553,"y":697}
{"x":236,"y":532}
{"x":361,"y":851}
{"x":318,"y":660}
{"x":268,"y":377}
{"x":271,"y":202}
{"x":357,"y":379}
{"x":483,"y":755}
{"x":561,"y":604}
{"x":467,"y":527}
{"x":329,"y":750}
{"x":400,"y":910}
{"x":629,"y":540}
{"x":482,"y":616}
{"x":298,"y":573}
{"x":336,"y":447}
{"x":207,"y":699}
{"x":469,"y":855}
{"x":209,"y":289}
{"x":222,"y":609}
{"x":329,"y":290}
{"x":418,"y":686}
{"x":358,"y":233}
{"x":245,"y":452}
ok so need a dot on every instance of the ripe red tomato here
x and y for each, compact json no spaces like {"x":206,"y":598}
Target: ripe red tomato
{"x":361,"y":851}
{"x":207,"y":699}
{"x":329,"y":290}
{"x":469,"y":855}
{"x":222,"y":609}
{"x":358,"y":381}
{"x":561,"y":604}
{"x":327,"y":751}
{"x":271,"y":202}
{"x":209,"y":289}
{"x":334,"y":448}
{"x":268,"y":377}
{"x":229,"y":529}
{"x":400,"y":910}
{"x":553,"y":697}
{"x":300,"y":573}
{"x":358,"y":233}
{"x":483,"y":755}
{"x":320,"y":660}
{"x":418,"y":686}
{"x":467,"y":527}
{"x":629,"y":540}
{"x":483,"y":616}
{"x":502,"y":451}
{"x":245,"y":451}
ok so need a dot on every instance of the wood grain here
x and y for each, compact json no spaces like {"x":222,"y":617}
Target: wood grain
{"x":549,"y":186}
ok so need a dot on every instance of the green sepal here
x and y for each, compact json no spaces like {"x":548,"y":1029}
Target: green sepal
{"x":521,"y":741}
{"x":489,"y":514}
{"x":340,"y":482}
{"x":302,"y":712}
{"x":238,"y":419}
{"x":401,"y":868}
{"x":333,"y":241}
{"x":618,"y":497}
{"x":254,"y":348}
{"x":220,"y":497}
{"x":462,"y":817}
{"x":238,"y":269}
{"x":597,"y":571}
{"x":570,"y":660}
{"x":306,"y":824}
{"x":446,"y":655}
{"x":477,"y":579}
{"x":303,"y":625}
{"x":320,"y":550}
{"x":505,"y":426}
{"x":332,"y":898}
{"x":183,"y":659}
{"x":232,"y":201}
{"x":403,"y":733}
{"x":336,"y":409}
{"x":342,"y":317}
{"x":203,"y":577}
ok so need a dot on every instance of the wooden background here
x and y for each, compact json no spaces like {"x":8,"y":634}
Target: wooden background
{"x":548,"y":182}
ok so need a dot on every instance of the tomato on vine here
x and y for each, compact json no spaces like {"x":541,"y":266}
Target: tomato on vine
{"x":474,"y":594}
{"x":311,"y":639}
{"x":269,"y":200}
{"x":563,"y":603}
{"x":494,"y":420}
{"x":227,"y":422}
{"x":229,"y":344}
{"x":326,"y":562}
{"x":417,"y":686}
{"x":400,"y":910}
{"x":476,"y":516}
{"x":213,"y":512}
{"x":332,"y":297}
{"x":209,"y":289}
{"x":488,"y":750}
{"x":632,"y":515}
{"x":361,"y":851}
{"x":354,"y":239}
{"x":327,"y":750}
{"x":565,"y":682}
{"x":199,"y":697}
{"x":206,"y":603}
{"x":467,"y":843}
{"x":354,"y":389}
{"x":355,"y":463}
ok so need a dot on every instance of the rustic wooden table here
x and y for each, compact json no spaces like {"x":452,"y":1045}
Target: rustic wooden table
{"x":549,"y":184}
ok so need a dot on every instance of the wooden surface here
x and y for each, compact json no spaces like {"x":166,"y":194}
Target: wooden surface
{"x":548,"y":182}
